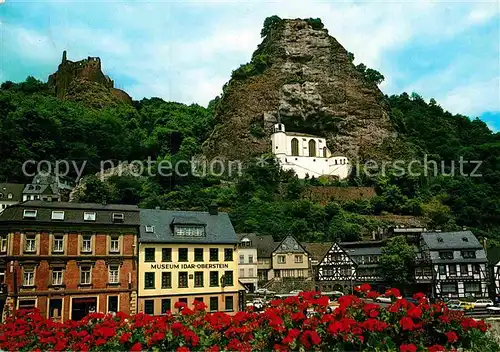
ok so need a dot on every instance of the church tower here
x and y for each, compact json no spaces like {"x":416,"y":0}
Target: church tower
{"x":278,"y":139}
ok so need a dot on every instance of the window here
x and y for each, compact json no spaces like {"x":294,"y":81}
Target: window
{"x":198,"y":254}
{"x":166,"y":254}
{"x":453,"y":269}
{"x":464,"y":270}
{"x":228,"y":278}
{"x":113,"y":277}
{"x":112,"y":304}
{"x":149,"y":254}
{"x":29,"y":214}
{"x":250,"y":259}
{"x":183,"y":300}
{"x":114,"y":246}
{"x":198,"y":279}
{"x":149,"y":280}
{"x":250,"y":272}
{"x":469,"y":254}
{"x":165,"y":305}
{"x":476,"y":269}
{"x":446,"y":255}
{"x":150,"y":228}
{"x":228,"y":254}
{"x":214,"y":254}
{"x":298,"y":258}
{"x":214,"y":303}
{"x":58,"y":244}
{"x":57,"y":276}
{"x":85,"y":275}
{"x":118,"y":217}
{"x":449,"y":287}
{"x":281,"y":259}
{"x":149,"y":306}
{"x":9,"y":196}
{"x":312,"y":147}
{"x":86,"y":244}
{"x":183,"y":279}
{"x":229,"y":303}
{"x":28,"y":276}
{"x":3,"y":243}
{"x":166,"y":279}
{"x":295,"y":147}
{"x":30,"y":244}
{"x":27,"y":303}
{"x":57,"y":215}
{"x":242,"y":272}
{"x":55,"y":308}
{"x":324,"y":152}
{"x":419,"y":271}
{"x":190,"y":231}
{"x":214,"y":278}
{"x":198,"y":299}
{"x":442,"y":270}
{"x":472,"y":287}
{"x":87,"y":216}
{"x":183,"y":254}
{"x":242,"y":259}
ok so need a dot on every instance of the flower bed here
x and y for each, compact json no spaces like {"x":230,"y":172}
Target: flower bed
{"x":284,"y":326}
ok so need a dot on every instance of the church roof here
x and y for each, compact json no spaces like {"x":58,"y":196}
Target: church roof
{"x":299,"y":134}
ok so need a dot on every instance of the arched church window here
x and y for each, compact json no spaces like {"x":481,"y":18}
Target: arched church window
{"x":335,"y":161}
{"x":324,"y":152}
{"x":312,"y":147}
{"x":295,"y":147}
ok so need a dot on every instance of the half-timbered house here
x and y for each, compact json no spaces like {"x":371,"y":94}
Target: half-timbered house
{"x":366,"y":256}
{"x":493,"y":255}
{"x":336,"y":271}
{"x":458,"y":263}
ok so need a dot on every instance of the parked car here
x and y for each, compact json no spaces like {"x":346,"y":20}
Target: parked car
{"x":493,"y":309}
{"x":483,"y":303}
{"x":453,"y":304}
{"x":296,"y":292}
{"x":264,"y":291}
{"x":383,"y":299}
{"x":466,"y":305}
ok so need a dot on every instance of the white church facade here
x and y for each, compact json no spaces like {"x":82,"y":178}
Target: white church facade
{"x":307,"y":154}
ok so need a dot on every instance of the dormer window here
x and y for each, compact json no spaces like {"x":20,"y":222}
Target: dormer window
{"x":446,"y":255}
{"x":150,"y":228}
{"x":118,"y":217}
{"x":29,"y":214}
{"x":9,"y":196}
{"x":189,"y":231}
{"x":57,"y":215}
{"x":465,"y":239}
{"x":87,"y":216}
{"x":469,"y":254}
{"x":440,"y":239}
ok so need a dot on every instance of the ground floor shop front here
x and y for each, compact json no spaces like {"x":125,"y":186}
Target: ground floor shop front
{"x":229,"y":302}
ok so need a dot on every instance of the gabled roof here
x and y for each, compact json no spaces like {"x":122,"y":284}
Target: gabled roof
{"x":451,"y":240}
{"x":16,"y":189}
{"x":317,"y":251}
{"x":218,"y":227}
{"x":331,"y":247}
{"x":264,"y":244}
{"x":289,"y":244}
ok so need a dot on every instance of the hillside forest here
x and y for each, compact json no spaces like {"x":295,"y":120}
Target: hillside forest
{"x":35,"y":125}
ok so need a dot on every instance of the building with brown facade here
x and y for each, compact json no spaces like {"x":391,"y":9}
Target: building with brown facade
{"x":69,"y":259}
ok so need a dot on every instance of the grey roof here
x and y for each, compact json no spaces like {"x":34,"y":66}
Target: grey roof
{"x":16,"y":189}
{"x":73,"y":213}
{"x":38,"y":189}
{"x":299,"y":134}
{"x":265,"y":244}
{"x":451,"y":240}
{"x":289,"y":244}
{"x":480,"y":259}
{"x":218,"y":228}
{"x":363,"y":248}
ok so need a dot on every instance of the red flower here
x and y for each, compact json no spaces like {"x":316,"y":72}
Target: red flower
{"x":406,"y":323}
{"x":393,"y":292}
{"x":365,"y":288}
{"x":414,"y":313}
{"x":182,"y":349}
{"x":125,"y":337}
{"x":136,"y":348}
{"x":436,"y":348}
{"x":408,"y":348}
{"x":372,"y":294}
{"x":452,"y":337}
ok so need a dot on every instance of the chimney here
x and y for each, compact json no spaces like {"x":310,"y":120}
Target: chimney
{"x":484,"y":244}
{"x":213,"y":209}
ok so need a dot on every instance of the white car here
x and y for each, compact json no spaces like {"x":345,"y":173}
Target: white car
{"x":483,"y":303}
{"x":264,"y":291}
{"x":295,"y":292}
{"x":383,"y":299}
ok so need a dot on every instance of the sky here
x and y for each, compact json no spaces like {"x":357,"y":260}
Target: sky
{"x":186,"y":50}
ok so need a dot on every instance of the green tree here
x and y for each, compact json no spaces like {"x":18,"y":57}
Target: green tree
{"x":398,"y":262}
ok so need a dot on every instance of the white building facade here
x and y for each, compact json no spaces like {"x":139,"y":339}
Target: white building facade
{"x":307,"y":154}
{"x":247,"y":263}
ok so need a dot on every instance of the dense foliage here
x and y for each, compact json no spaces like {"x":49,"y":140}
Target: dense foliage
{"x":296,"y":324}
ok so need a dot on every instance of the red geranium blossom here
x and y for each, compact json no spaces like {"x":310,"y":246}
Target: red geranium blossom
{"x":408,"y":348}
{"x":452,"y":337}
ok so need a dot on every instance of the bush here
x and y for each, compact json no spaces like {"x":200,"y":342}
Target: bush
{"x":294,"y":324}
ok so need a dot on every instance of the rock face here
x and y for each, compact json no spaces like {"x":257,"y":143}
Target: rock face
{"x":312,"y":86}
{"x":84,"y":75}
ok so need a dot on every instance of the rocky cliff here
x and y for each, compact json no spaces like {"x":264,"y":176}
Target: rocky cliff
{"x":303,"y":76}
{"x":84,"y":81}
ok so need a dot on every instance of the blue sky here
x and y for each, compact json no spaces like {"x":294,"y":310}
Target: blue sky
{"x":185,"y":50}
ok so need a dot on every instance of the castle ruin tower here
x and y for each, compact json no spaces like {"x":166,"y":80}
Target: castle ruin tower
{"x":64,"y":58}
